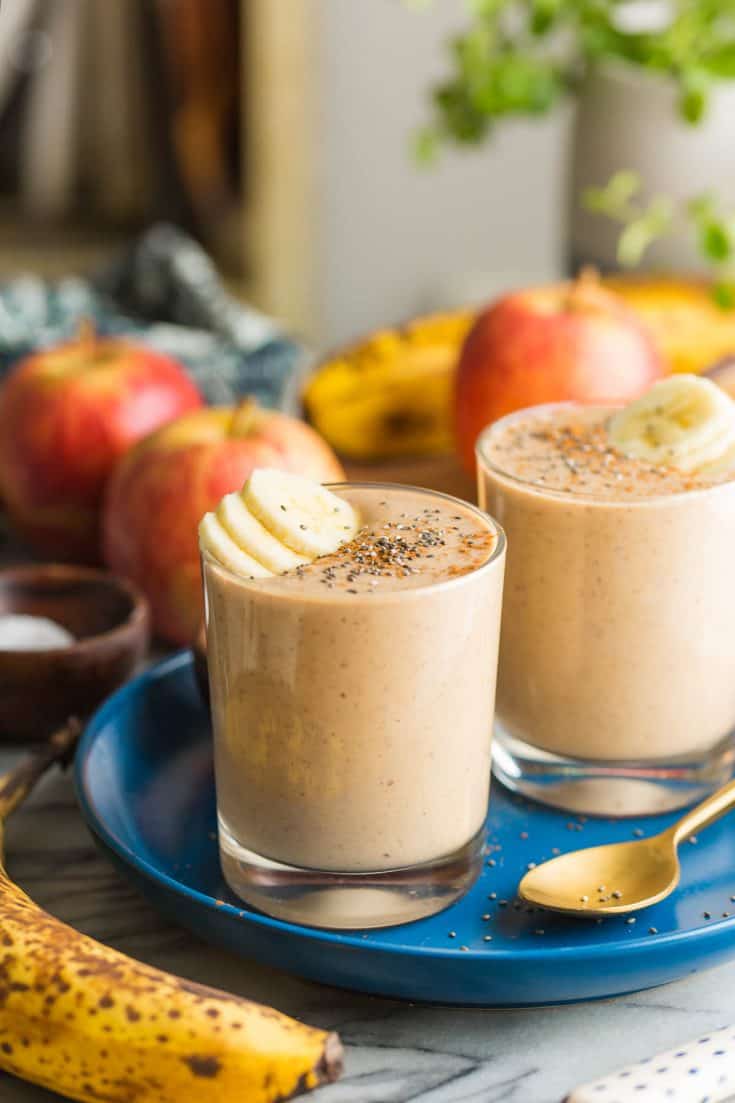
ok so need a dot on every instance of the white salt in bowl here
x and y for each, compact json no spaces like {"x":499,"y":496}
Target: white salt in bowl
{"x":107,"y":621}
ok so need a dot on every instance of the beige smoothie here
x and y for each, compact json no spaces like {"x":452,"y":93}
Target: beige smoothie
{"x":618,"y":637}
{"x":353,"y":695}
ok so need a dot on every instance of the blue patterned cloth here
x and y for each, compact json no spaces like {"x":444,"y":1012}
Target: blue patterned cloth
{"x":166,"y":293}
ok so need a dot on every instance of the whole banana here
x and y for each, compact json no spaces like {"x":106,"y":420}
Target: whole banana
{"x":88,"y":1022}
{"x":390,"y":395}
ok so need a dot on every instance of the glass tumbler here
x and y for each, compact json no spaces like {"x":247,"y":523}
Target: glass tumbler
{"x":616,"y":680}
{"x":352,"y":736}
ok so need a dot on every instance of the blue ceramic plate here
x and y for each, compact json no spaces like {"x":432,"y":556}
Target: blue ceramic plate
{"x":144,"y":778}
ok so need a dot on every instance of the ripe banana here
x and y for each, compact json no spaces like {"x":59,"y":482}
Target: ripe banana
{"x":84,"y":1020}
{"x":278,"y":521}
{"x":391,"y":394}
{"x":684,"y":421}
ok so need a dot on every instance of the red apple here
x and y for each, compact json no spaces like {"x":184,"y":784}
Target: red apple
{"x":163,"y":487}
{"x":569,"y":342}
{"x":67,"y":414}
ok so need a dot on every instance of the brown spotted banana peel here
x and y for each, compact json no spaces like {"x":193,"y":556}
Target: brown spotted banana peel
{"x":88,"y":1022}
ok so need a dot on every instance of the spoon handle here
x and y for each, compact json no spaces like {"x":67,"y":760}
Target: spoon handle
{"x":702,"y":815}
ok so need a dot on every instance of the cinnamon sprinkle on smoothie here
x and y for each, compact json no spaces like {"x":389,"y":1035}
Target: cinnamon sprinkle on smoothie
{"x":571,"y":452}
{"x":397,"y":550}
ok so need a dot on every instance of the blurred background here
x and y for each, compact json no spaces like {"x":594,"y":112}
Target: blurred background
{"x":280,"y":135}
{"x":341,"y":211}
{"x":283,"y":135}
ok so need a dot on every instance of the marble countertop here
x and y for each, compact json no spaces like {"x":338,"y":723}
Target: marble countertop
{"x":395,"y":1052}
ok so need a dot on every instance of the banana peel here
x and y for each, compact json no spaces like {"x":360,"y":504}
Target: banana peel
{"x":390,"y":395}
{"x":86,"y":1021}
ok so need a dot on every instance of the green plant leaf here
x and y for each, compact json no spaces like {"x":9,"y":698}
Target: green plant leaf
{"x":701,"y":207}
{"x":544,"y":16}
{"x":641,"y":232}
{"x":516,"y":57}
{"x":715,"y":241}
{"x":632,"y":243}
{"x":485,"y":9}
{"x":615,"y":197}
{"x":723,"y":293}
{"x":695,"y":87}
{"x":460,"y":115}
{"x":426,"y":146}
{"x":624,"y":185}
{"x":721,"y":62}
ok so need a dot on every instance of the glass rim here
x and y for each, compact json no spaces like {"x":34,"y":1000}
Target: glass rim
{"x":587,"y":496}
{"x":497,"y":552}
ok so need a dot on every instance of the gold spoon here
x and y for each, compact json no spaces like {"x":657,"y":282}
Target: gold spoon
{"x":620,"y":877}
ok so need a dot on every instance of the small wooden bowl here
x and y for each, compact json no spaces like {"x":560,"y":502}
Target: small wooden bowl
{"x":109,"y":617}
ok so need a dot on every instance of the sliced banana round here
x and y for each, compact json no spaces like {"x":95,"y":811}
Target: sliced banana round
{"x":305,"y":516}
{"x":723,"y":465}
{"x":683,"y":421}
{"x":215,"y":539}
{"x":253,"y":538}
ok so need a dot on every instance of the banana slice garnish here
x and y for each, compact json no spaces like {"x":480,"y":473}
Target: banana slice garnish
{"x":277,"y":522}
{"x":247,"y":532}
{"x":302,"y":514}
{"x":682,"y":421}
{"x":215,"y":539}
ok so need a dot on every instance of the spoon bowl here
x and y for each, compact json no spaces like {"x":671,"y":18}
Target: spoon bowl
{"x":620,"y":877}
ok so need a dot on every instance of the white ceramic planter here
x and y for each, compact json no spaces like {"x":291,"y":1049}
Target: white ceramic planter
{"x":629,"y":119}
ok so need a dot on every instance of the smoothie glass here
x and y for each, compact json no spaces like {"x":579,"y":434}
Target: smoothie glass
{"x":352,"y":734}
{"x":616,"y":680}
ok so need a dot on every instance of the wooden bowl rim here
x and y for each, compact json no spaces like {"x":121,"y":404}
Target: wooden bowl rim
{"x":134,"y":625}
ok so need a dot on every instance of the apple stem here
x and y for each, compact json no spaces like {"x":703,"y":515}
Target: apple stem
{"x":87,"y":336}
{"x":587,"y":280}
{"x":244,"y":418}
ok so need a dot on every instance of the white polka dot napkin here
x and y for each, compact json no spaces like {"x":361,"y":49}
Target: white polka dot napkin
{"x":702,"y":1071}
